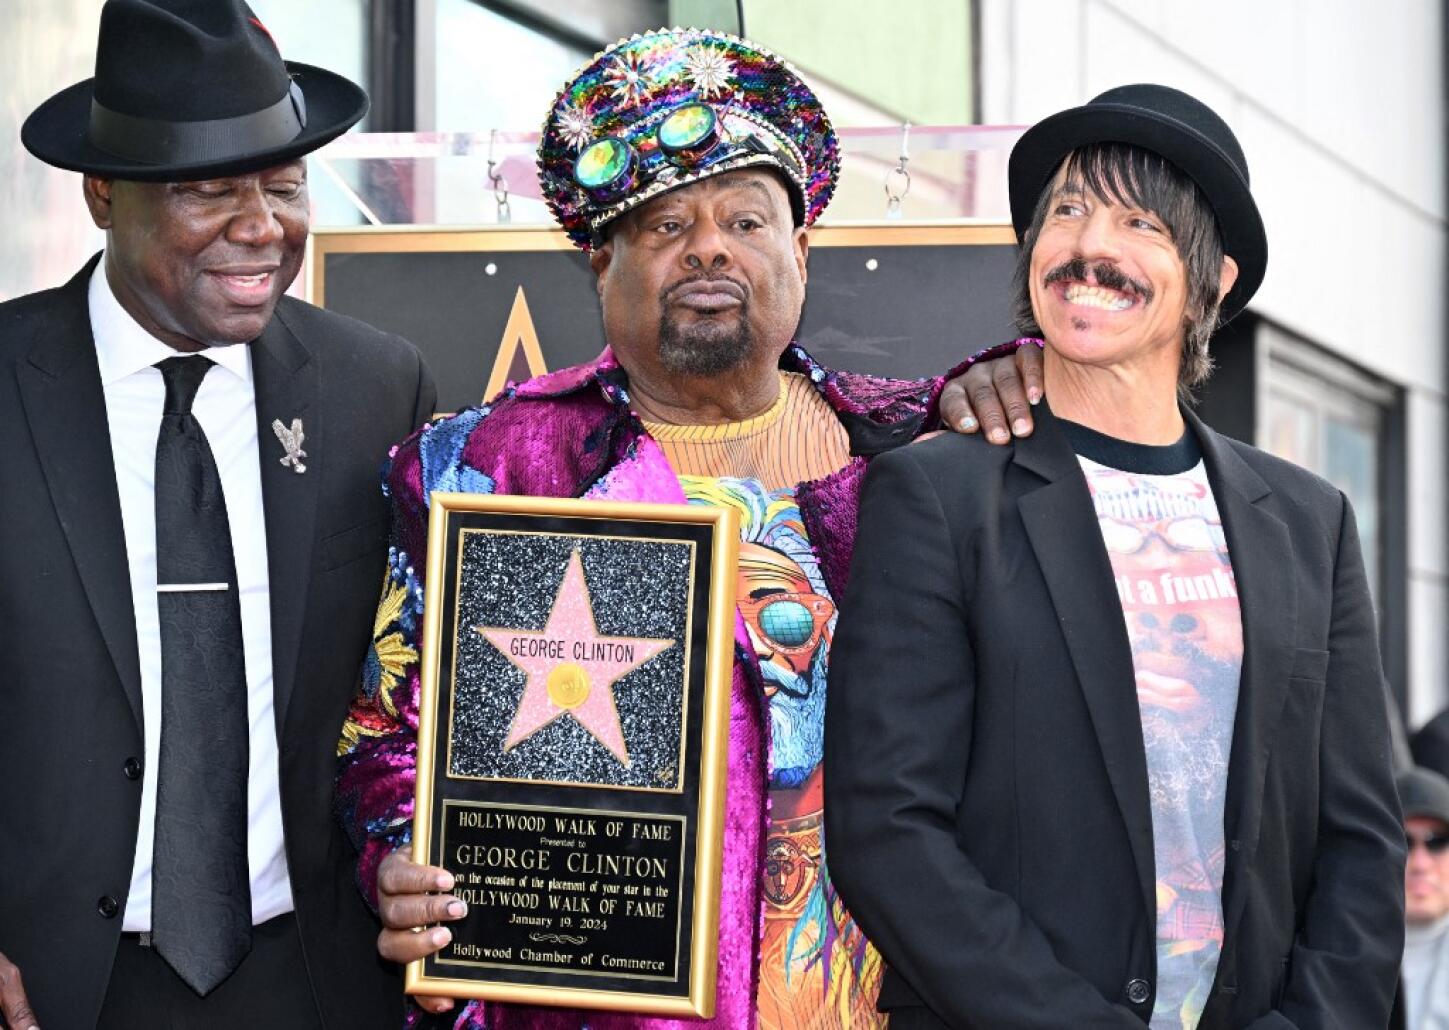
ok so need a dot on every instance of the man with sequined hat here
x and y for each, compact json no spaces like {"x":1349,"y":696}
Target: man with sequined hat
{"x":194,"y":535}
{"x":689,"y":166}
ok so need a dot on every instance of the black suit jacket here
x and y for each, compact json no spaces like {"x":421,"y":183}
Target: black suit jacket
{"x":987,"y":805}
{"x":70,"y":695}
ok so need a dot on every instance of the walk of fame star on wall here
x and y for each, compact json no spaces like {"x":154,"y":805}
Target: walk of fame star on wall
{"x":571,"y":667}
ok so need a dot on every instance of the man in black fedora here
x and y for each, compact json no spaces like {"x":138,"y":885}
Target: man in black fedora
{"x":1106,"y":742}
{"x":193,"y":539}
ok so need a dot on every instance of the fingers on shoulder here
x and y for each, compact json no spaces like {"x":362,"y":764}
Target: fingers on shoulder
{"x":10,"y":980}
{"x":14,"y":1005}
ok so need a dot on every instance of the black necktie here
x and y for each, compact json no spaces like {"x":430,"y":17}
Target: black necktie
{"x":201,"y":909}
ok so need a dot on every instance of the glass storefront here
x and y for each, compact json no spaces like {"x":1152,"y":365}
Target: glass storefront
{"x":1330,"y":418}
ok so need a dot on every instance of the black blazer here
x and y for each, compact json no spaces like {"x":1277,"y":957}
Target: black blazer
{"x":70,"y":694}
{"x":986,"y":784}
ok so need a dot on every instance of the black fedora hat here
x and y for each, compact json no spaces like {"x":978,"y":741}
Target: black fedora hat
{"x":189,"y":89}
{"x":1174,"y":125}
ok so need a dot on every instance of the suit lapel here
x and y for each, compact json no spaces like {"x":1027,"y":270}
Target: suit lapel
{"x":65,"y":405}
{"x":1261,"y":550}
{"x":1062,"y":526}
{"x":285,"y":375}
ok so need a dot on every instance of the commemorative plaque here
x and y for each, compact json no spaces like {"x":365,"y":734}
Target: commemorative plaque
{"x":572,"y":743}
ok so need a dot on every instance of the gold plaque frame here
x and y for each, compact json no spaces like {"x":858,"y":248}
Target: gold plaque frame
{"x":704,"y":790}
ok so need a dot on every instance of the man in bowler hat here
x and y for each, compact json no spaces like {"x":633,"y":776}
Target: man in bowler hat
{"x":193,"y":539}
{"x":1106,"y":742}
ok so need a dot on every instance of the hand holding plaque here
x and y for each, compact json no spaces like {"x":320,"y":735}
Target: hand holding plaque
{"x":415,"y":907}
{"x":571,"y":749}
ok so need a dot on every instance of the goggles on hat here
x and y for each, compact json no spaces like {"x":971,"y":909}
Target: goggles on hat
{"x":689,"y":137}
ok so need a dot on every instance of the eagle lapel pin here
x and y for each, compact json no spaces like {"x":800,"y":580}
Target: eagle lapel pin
{"x":291,"y":440}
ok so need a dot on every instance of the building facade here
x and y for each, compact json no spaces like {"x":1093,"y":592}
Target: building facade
{"x":1339,"y":364}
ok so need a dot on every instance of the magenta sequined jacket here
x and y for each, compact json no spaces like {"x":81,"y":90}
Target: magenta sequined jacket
{"x":571,"y":434}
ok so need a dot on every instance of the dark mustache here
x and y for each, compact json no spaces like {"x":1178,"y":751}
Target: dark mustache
{"x":701,"y":277}
{"x":1103,"y":272}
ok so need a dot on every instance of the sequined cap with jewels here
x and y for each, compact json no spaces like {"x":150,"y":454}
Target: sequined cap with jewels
{"x":668,"y":108}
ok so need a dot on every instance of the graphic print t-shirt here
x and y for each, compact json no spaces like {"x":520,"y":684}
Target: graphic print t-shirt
{"x":816,"y":970}
{"x":1174,"y":579}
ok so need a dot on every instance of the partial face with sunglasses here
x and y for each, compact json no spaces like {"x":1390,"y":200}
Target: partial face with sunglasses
{"x":701,"y":290}
{"x":1426,"y":875}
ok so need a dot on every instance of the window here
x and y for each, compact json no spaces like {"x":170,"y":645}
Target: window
{"x":1341,"y":422}
{"x":1333,"y":419}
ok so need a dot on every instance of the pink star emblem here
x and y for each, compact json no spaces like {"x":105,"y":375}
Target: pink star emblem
{"x":571,"y":667}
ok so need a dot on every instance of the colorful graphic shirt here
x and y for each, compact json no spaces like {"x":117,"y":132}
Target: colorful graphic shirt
{"x":816,"y":969}
{"x":1175,"y":581}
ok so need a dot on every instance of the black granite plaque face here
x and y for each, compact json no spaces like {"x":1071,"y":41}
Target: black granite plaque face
{"x":592,"y":892}
{"x":904,"y":311}
{"x":576,"y":671}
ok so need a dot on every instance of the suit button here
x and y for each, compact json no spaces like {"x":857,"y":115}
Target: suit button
{"x":1138,"y":991}
{"x":132,"y":768}
{"x":108,"y":906}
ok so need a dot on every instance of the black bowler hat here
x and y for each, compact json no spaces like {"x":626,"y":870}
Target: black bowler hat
{"x":1174,"y":125}
{"x":189,"y":89}
{"x":1424,"y":793}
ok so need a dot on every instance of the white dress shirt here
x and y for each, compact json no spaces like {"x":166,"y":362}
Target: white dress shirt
{"x":225,"y":406}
